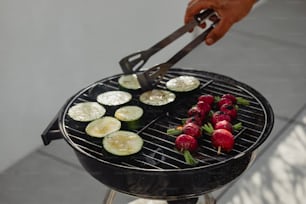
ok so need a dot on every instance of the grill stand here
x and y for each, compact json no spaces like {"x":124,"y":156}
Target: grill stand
{"x":208,"y":199}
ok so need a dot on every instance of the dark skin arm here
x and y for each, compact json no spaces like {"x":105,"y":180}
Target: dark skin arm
{"x":229,"y":12}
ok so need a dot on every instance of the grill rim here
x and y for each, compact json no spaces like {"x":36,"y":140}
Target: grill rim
{"x":265,"y":105}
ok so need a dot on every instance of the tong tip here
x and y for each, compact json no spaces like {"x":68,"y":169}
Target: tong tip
{"x":144,"y":81}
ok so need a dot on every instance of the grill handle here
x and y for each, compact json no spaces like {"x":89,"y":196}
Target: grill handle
{"x":52,"y":132}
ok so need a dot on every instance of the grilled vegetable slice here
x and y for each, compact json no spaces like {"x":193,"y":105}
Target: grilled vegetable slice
{"x":86,"y":111}
{"x":103,"y":126}
{"x":122,"y":143}
{"x":130,"y":115}
{"x":114,"y":98}
{"x":157,"y":97}
{"x":183,"y":84}
{"x":129,"y":81}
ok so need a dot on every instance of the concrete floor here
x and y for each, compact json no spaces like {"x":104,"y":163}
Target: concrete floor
{"x":268,"y":52}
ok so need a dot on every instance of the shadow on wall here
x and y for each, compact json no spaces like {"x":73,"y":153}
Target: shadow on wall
{"x":281,"y":178}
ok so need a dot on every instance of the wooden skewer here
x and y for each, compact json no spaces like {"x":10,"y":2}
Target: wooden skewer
{"x":219,"y":150}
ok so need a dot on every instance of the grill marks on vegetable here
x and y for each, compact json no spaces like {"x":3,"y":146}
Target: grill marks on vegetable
{"x":158,"y":151}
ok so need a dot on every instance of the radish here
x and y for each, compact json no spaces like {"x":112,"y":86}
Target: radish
{"x":222,"y":139}
{"x":230,"y":97}
{"x":196,"y":112}
{"x":236,"y":100}
{"x":219,"y":116}
{"x":223,"y":101}
{"x":204,"y":107}
{"x":229,"y":109}
{"x":195,"y":119}
{"x":192,"y":130}
{"x":186,"y":144}
{"x":207,"y":98}
{"x":224,"y":124}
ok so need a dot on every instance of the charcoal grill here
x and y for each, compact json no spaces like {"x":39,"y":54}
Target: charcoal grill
{"x":158,"y":171}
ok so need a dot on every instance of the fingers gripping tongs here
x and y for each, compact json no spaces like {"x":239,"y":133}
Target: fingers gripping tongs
{"x":149,"y":78}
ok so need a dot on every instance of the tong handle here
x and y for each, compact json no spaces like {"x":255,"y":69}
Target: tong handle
{"x":149,"y":78}
{"x":134,"y":62}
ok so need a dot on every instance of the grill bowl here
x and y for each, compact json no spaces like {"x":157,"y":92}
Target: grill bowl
{"x":159,"y":171}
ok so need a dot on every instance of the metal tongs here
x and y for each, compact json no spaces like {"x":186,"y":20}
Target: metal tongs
{"x":149,"y":78}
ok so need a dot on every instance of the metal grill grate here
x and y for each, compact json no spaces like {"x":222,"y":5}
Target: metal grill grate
{"x":158,"y":151}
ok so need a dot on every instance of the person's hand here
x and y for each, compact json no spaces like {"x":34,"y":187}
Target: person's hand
{"x":228,"y":11}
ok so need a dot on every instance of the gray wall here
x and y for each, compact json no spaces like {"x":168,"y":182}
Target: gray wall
{"x":52,"y":48}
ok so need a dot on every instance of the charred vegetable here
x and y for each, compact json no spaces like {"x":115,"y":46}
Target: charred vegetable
{"x":230,"y":110}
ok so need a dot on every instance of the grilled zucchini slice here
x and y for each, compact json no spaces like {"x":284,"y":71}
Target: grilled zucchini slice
{"x":130,"y":116}
{"x":129,"y":82}
{"x":114,"y":98}
{"x":122,"y":143}
{"x":103,"y":126}
{"x":157,"y":97}
{"x":183,"y":84}
{"x":86,"y":111}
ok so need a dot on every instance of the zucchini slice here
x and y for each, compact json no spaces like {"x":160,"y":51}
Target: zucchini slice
{"x":129,"y":113}
{"x":122,"y":143}
{"x":130,"y":116}
{"x":129,"y":81}
{"x":157,"y":97}
{"x":114,"y":98}
{"x":103,"y":126}
{"x":183,"y":84}
{"x":86,"y":111}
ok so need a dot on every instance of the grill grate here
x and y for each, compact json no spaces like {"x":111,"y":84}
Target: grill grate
{"x":158,"y":152}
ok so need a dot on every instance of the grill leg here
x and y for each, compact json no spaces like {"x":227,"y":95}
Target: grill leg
{"x":185,"y":201}
{"x":209,"y":199}
{"x":109,"y":197}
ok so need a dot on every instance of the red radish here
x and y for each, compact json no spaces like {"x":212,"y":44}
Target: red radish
{"x":223,"y":101}
{"x":227,"y":125}
{"x":229,"y":109}
{"x":207,"y":98}
{"x":219,"y":116}
{"x":236,"y":100}
{"x":204,"y":107}
{"x":195,"y":119}
{"x":186,"y":144}
{"x":192,"y":130}
{"x":223,"y":140}
{"x":230,"y":97}
{"x":224,"y":124}
{"x":196,"y":112}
